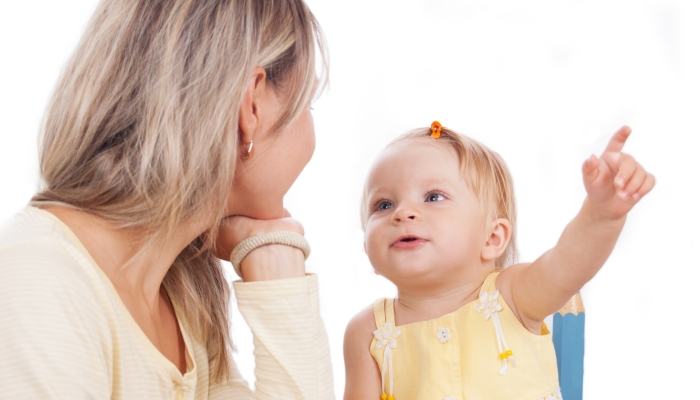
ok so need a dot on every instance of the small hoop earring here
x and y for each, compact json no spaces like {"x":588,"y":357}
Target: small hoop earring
{"x":249,"y":151}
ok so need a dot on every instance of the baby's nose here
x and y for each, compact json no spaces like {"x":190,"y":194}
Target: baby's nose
{"x":404,"y":215}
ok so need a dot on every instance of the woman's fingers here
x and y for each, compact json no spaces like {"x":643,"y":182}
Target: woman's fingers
{"x":245,"y":227}
{"x":235,"y":229}
{"x":227,"y":238}
{"x":273,"y":261}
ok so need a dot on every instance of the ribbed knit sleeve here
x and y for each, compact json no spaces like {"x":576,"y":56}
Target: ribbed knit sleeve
{"x":291,"y":345}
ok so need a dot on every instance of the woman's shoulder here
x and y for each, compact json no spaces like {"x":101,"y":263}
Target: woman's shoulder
{"x":38,"y":260}
{"x":29,"y":227}
{"x":50,"y":313}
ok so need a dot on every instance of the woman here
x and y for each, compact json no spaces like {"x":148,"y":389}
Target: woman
{"x":171,"y":116}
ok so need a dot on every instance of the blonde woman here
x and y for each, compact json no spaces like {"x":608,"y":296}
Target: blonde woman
{"x":171,"y":117}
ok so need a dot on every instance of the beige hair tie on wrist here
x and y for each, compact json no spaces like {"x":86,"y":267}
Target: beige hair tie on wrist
{"x":277,"y":237}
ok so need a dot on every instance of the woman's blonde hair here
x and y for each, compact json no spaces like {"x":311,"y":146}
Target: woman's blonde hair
{"x":486,"y":174}
{"x":142,"y":129}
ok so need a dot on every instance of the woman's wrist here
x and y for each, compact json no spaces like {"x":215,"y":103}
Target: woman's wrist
{"x":273,"y":261}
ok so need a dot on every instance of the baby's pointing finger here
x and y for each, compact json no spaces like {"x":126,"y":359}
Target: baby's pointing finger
{"x":617,"y":142}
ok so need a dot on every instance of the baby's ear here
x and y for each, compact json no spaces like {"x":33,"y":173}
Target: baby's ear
{"x":498,"y":234}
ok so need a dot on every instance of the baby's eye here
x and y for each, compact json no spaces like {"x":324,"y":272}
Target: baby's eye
{"x":434,"y":197}
{"x":384,"y":205}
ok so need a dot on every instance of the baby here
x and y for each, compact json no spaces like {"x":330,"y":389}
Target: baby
{"x":439,"y":218}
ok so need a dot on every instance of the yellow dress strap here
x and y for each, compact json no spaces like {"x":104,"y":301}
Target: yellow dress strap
{"x":379,"y":316}
{"x":383,"y":312}
{"x":389,"y":311}
{"x":489,"y":284}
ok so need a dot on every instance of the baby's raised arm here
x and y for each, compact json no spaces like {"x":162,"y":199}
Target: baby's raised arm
{"x":614,"y":183}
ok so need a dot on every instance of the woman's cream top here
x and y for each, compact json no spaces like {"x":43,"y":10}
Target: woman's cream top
{"x":65,"y":333}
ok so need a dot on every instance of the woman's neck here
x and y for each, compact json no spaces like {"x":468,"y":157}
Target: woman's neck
{"x":136,"y":272}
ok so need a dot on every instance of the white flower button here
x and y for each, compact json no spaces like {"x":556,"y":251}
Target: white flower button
{"x":443,"y":335}
{"x":450,"y":398}
{"x":488,"y":304}
{"x":386,"y":337}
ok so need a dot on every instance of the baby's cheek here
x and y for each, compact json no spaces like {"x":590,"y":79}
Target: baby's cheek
{"x":371,"y":253}
{"x":374,"y":254}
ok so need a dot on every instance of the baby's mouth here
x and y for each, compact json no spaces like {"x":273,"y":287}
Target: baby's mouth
{"x":408,"y":241}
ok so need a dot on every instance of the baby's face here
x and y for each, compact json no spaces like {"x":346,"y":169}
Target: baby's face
{"x":425,"y":224}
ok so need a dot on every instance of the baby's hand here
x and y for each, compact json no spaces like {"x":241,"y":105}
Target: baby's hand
{"x":615,"y":182}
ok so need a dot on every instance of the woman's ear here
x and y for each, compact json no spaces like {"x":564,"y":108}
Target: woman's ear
{"x":498,"y":235}
{"x":250,"y":111}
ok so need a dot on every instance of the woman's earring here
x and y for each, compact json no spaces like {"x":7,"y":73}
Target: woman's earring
{"x":249,"y":150}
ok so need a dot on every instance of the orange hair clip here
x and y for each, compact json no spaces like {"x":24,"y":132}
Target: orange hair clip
{"x":436,"y":129}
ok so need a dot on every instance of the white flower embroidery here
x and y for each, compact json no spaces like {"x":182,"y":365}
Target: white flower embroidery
{"x":488,"y":304}
{"x":443,"y":334}
{"x":450,"y":398}
{"x":386,"y":336}
{"x":386,"y":339}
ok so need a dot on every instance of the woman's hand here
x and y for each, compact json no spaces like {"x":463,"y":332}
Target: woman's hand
{"x":273,"y":261}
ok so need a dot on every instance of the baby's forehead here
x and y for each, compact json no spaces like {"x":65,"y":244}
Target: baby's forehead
{"x":424,"y":159}
{"x":406,"y":150}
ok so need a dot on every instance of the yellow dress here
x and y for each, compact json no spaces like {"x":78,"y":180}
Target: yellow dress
{"x":458,"y":356}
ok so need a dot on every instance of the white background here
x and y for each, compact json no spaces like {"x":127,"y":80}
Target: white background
{"x":544,"y":83}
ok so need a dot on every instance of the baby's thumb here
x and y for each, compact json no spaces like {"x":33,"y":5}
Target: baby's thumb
{"x":590,"y":169}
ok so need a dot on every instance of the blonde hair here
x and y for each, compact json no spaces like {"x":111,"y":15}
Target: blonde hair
{"x":486,"y":174}
{"x":142,"y":129}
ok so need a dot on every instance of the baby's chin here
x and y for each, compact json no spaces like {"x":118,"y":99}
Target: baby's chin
{"x":410,"y":275}
{"x":424,"y":276}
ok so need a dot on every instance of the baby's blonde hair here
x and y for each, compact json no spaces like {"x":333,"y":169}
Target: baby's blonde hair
{"x":486,"y":174}
{"x":142,"y":129}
